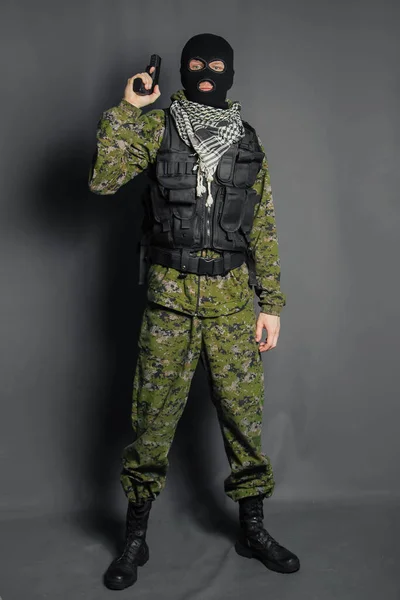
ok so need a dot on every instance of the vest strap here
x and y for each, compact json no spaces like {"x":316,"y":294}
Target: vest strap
{"x":251,"y":265}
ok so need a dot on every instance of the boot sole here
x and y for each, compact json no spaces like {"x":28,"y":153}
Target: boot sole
{"x":115,"y":585}
{"x":249,"y":553}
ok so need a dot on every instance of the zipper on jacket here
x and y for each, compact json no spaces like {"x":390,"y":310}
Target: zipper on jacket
{"x":208,"y":231}
{"x":208,"y":226}
{"x":207,"y":244}
{"x":209,"y":235}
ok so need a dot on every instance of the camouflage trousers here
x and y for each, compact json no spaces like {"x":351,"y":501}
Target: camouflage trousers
{"x":170,"y":345}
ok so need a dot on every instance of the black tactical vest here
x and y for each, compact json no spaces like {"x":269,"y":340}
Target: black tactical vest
{"x":179,"y":220}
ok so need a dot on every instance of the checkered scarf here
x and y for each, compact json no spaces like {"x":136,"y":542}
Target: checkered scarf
{"x":210,"y":131}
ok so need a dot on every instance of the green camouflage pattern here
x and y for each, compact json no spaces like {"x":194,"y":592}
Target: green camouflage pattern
{"x":204,"y":295}
{"x":127,"y":141}
{"x":170,"y":345}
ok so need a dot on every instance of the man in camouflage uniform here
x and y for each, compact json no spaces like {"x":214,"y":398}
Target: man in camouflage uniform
{"x":190,"y":316}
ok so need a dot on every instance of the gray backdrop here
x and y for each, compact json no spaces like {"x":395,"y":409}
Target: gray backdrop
{"x":320,"y":82}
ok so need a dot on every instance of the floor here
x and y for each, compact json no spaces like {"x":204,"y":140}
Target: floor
{"x":348,"y":551}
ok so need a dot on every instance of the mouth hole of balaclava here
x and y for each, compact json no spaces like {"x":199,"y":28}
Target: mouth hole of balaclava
{"x":205,"y":90}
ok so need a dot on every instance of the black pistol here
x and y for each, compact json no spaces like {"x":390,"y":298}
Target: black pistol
{"x":138,"y":86}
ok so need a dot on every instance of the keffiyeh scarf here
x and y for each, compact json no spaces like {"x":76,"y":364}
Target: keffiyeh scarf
{"x":210,"y":131}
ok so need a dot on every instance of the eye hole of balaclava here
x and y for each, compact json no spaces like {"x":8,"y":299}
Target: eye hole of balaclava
{"x":198,"y":64}
{"x":207,"y":69}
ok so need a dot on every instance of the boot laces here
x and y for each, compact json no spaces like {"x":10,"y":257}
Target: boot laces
{"x":136,"y":525}
{"x":254,"y":514}
{"x":131,"y":549}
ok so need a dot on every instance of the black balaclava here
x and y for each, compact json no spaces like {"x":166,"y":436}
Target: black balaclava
{"x":207,"y":47}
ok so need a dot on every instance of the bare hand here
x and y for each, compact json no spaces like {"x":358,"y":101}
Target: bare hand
{"x":137,"y":99}
{"x":271,"y":323}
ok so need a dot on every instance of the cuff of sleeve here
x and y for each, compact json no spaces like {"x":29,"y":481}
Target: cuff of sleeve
{"x":136,"y":111}
{"x":271,"y":309}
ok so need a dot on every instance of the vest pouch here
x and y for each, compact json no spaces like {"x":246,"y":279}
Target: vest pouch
{"x":176,"y":174}
{"x":255,"y":167}
{"x":160,"y":208}
{"x":182,"y":196}
{"x":226,"y":165}
{"x":247,"y":167}
{"x":233,"y":210}
{"x":183,"y":205}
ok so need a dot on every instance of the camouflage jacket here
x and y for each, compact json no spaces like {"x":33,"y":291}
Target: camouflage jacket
{"x":127,"y":141}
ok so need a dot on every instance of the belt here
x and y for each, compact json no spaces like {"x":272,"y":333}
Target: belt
{"x":182,"y":260}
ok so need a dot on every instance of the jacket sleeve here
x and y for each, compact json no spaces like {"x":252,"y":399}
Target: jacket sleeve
{"x":127,"y":141}
{"x":264,"y":246}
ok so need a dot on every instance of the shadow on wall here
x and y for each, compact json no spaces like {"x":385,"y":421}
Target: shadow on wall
{"x":102,"y":427}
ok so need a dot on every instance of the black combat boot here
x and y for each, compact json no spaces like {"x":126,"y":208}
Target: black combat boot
{"x":122,"y":572}
{"x":255,"y":541}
